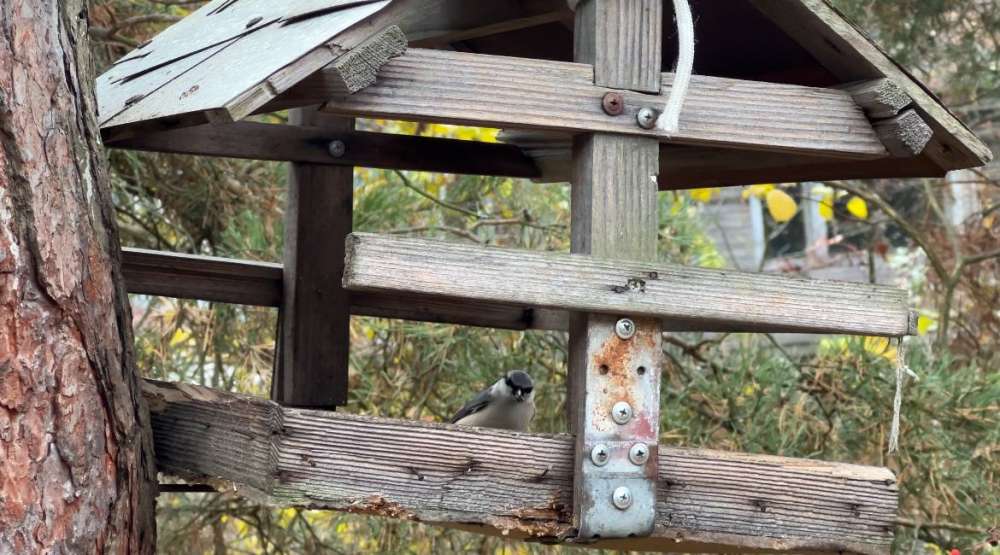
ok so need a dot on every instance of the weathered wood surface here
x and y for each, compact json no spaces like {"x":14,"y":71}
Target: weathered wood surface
{"x":880,"y":98}
{"x":451,"y":87}
{"x":847,"y":53}
{"x":201,"y":277}
{"x":510,"y":483}
{"x":315,"y":315}
{"x":580,"y":283}
{"x":905,"y":135}
{"x":683,"y":167}
{"x":622,"y":40}
{"x":309,"y":144}
{"x":201,"y":63}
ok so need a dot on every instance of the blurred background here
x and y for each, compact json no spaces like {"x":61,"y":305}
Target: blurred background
{"x":826,"y":397}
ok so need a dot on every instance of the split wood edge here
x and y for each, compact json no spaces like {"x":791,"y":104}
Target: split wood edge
{"x":514,"y":484}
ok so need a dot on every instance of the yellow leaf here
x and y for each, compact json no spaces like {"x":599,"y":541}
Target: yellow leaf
{"x":703,"y":194}
{"x":826,"y":206}
{"x":881,"y":346}
{"x":179,"y":336}
{"x":781,"y":206}
{"x":858,"y":208}
{"x":759,"y":191}
{"x":924,"y":324}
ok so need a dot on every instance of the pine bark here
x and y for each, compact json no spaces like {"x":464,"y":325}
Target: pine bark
{"x":76,"y":463}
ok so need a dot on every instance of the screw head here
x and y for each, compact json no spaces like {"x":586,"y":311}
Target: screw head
{"x":621,"y":413}
{"x":625,"y":328}
{"x":337,"y":148}
{"x":600,"y":454}
{"x":646,"y":118}
{"x":622,"y":497}
{"x":638,"y":454}
{"x":613,"y":103}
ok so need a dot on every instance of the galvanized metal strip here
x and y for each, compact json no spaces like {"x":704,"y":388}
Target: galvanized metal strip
{"x":616,"y":484}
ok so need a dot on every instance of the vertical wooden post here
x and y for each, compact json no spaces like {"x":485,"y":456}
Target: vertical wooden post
{"x":311,"y":364}
{"x":614,"y":215}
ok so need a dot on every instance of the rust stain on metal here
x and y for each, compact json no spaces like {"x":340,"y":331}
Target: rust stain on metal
{"x":613,"y":103}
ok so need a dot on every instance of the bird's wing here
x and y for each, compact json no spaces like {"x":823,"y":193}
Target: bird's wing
{"x":475,"y":405}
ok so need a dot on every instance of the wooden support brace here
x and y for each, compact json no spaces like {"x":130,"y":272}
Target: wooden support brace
{"x":518,"y":485}
{"x":905,"y":135}
{"x":311,"y":366}
{"x":880,"y":98}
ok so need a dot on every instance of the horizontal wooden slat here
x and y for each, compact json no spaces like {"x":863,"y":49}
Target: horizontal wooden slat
{"x":499,"y":91}
{"x":440,"y":269}
{"x":291,"y":143}
{"x":514,"y":484}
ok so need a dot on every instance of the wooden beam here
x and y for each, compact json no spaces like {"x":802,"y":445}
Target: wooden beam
{"x":589,"y":284}
{"x":309,"y":144}
{"x":905,"y":135}
{"x":514,"y":484}
{"x":880,"y":98}
{"x":315,"y":318}
{"x":450,"y":87}
{"x":623,"y":41}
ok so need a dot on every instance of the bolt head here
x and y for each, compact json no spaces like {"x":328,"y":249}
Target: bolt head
{"x":646,"y":118}
{"x":622,"y":498}
{"x":337,"y":148}
{"x":613,"y":103}
{"x":600,"y":454}
{"x":621,"y":412}
{"x":625,"y":328}
{"x":639,"y":454}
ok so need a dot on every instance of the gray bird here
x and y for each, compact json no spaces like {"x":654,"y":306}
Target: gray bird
{"x":508,"y":404}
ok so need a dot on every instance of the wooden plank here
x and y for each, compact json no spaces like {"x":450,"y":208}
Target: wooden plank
{"x":450,"y":87}
{"x":589,"y":284}
{"x":905,"y":135}
{"x":201,"y":277}
{"x":277,"y":42}
{"x":880,"y":98}
{"x":622,"y":40}
{"x":509,"y":483}
{"x":315,"y":310}
{"x":846,"y":52}
{"x":309,"y":144}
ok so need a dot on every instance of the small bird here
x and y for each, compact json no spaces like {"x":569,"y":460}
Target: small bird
{"x":508,"y":404}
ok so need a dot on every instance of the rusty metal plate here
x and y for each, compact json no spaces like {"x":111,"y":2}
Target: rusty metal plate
{"x":619,"y":371}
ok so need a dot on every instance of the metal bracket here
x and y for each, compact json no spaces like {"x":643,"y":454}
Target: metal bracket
{"x":616,"y":446}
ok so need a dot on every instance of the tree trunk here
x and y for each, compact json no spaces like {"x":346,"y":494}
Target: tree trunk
{"x":76,"y":462}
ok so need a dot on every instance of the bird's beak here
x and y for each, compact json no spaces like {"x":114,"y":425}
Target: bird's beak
{"x":519,"y":396}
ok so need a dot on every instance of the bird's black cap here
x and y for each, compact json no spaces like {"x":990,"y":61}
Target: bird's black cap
{"x":518,"y":379}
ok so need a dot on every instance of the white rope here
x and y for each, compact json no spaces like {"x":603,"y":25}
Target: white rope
{"x":669,"y":121}
{"x":902,"y":370}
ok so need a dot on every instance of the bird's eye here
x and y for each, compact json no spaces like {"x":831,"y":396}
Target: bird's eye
{"x":526,"y":390}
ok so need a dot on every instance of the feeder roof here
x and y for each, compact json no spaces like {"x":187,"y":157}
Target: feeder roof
{"x":231,"y":58}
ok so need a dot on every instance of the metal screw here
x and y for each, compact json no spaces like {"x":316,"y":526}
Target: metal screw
{"x":613,"y":103}
{"x":646,"y":118}
{"x":638,"y":454}
{"x":625,"y":328}
{"x":600,"y":454}
{"x":622,"y":498}
{"x":337,"y":148}
{"x":621,"y":412}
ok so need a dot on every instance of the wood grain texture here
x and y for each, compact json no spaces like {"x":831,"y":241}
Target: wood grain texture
{"x":450,"y":87}
{"x":622,"y":40}
{"x":905,"y":135}
{"x":519,"y":485}
{"x":210,"y":85}
{"x":880,"y":98}
{"x":587,"y":284}
{"x":846,"y":52}
{"x":315,"y":309}
{"x":309,"y":144}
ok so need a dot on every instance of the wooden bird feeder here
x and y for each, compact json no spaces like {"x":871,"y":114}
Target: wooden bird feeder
{"x":784,"y":91}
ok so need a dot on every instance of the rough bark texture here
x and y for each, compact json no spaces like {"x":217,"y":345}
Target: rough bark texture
{"x":76,"y":468}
